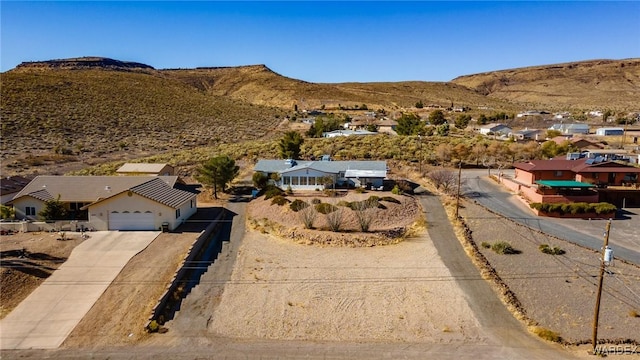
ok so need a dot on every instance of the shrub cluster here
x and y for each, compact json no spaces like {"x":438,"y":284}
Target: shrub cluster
{"x":575,"y":208}
{"x":279,"y":200}
{"x":325,"y":208}
{"x":504,"y":248}
{"x":271,"y":191}
{"x":298,"y":205}
{"x":545,"y":248}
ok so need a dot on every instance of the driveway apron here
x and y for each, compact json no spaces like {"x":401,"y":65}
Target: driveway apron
{"x":48,"y":315}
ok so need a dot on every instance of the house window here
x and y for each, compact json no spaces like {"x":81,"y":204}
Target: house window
{"x":303,"y":180}
{"x":191,"y":204}
{"x":558,"y":173}
{"x":30,"y":211}
{"x":286,"y":180}
{"x":177,"y":213}
{"x":294,"y":180}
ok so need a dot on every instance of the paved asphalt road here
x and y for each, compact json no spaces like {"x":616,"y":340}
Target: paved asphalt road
{"x":589,"y":234}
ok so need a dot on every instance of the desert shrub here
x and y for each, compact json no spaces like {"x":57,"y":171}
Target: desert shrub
{"x":308,"y":215}
{"x":259,"y":180}
{"x":335,"y":218}
{"x":153,"y":326}
{"x":566,"y":208}
{"x":271,"y":191}
{"x":279,"y":200}
{"x":298,"y":205}
{"x":390,"y":199}
{"x":315,"y":201}
{"x":396,"y":190}
{"x":485,"y":245}
{"x":546,"y":334}
{"x":504,"y":248}
{"x":359,"y":190}
{"x":545,"y":248}
{"x":344,"y":203}
{"x":324,"y":208}
{"x":556,"y":208}
{"x":574,"y":208}
{"x":536,"y":206}
{"x":289,"y":190}
{"x":634,"y":314}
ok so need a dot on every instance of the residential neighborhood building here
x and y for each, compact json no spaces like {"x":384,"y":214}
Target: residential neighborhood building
{"x":337,"y":133}
{"x":570,"y":128}
{"x":313,"y":175}
{"x":495,"y":129}
{"x":110,"y":202}
{"x":577,"y":180}
{"x":10,"y":186}
{"x":579,"y":143}
{"x":527,"y":134}
{"x":609,"y":131}
{"x":146,"y":169}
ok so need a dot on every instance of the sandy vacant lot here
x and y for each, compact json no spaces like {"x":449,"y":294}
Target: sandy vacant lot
{"x":283,"y":290}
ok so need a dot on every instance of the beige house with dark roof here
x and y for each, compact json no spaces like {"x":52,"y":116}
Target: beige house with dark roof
{"x":110,"y":202}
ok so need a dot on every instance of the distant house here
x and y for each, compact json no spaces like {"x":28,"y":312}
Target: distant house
{"x":10,"y":186}
{"x":312,"y":175}
{"x":577,"y":142}
{"x":571,"y":128}
{"x":150,"y":169}
{"x":337,"y":133}
{"x":609,"y":131}
{"x":526,"y":134}
{"x":495,"y":129}
{"x":110,"y":202}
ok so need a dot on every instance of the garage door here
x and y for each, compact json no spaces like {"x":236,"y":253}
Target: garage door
{"x":131,"y":221}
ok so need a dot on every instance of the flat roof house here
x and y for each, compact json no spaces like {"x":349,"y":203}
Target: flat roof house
{"x":311,"y":175}
{"x":110,"y":202}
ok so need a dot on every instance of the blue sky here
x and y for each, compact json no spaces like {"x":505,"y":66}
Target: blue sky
{"x":324,"y":41}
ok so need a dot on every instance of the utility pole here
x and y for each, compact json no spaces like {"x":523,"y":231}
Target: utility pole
{"x":602,"y":265}
{"x":459,"y":185}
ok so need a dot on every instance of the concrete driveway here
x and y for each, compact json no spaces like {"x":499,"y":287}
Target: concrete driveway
{"x":48,"y":315}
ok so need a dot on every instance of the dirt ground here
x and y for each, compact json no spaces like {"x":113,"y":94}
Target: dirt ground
{"x":559,"y":291}
{"x":23,"y":271}
{"x":292,"y":290}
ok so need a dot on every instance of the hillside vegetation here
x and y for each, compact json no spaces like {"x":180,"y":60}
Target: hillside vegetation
{"x":604,"y":84}
{"x":91,"y":110}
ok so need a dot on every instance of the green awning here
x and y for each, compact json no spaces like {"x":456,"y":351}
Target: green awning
{"x":564,"y":184}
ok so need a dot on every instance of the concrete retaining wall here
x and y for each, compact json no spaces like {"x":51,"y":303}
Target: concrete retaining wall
{"x":192,"y":253}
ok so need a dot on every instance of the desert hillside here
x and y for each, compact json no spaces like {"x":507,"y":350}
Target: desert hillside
{"x":90,"y":110}
{"x":612,"y":84}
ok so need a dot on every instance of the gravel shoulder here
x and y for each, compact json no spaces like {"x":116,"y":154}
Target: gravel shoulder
{"x":559,"y":291}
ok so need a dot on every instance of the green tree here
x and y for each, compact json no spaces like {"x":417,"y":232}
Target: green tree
{"x":419,"y":105}
{"x":606,"y":115}
{"x":462,"y":121}
{"x":7,"y":212}
{"x":443,"y":129}
{"x":290,"y":145}
{"x":217,"y":172}
{"x":483,"y":120}
{"x":324,"y":124}
{"x":259,"y":180}
{"x":53,"y":210}
{"x":409,"y":124}
{"x":437,"y":118}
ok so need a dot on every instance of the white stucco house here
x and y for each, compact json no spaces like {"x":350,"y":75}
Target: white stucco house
{"x":495,"y":129}
{"x":110,"y":202}
{"x":571,"y":128}
{"x":311,"y":175}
